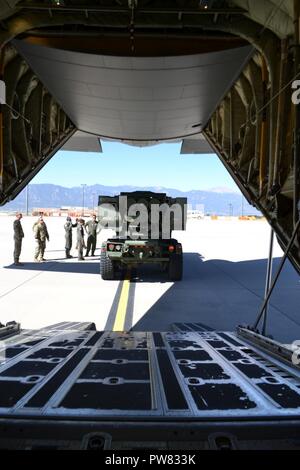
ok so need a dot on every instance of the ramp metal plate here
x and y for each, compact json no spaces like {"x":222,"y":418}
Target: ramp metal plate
{"x":71,"y":371}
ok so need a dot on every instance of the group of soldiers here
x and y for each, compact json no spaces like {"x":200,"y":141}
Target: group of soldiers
{"x":41,"y":236}
{"x":90,"y":227}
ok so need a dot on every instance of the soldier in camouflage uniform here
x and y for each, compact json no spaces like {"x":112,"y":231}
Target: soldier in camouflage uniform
{"x":91,"y":228}
{"x":68,"y":235}
{"x":18,"y":237}
{"x":80,"y":239}
{"x":41,"y":235}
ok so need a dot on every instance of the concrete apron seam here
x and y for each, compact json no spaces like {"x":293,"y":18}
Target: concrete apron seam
{"x":25,"y":282}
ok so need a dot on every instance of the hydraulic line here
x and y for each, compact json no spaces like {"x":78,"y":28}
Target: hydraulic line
{"x":268,"y":281}
{"x":263,"y":132}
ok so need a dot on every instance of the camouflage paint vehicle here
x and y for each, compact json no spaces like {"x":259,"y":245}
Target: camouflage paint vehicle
{"x":144,"y":222}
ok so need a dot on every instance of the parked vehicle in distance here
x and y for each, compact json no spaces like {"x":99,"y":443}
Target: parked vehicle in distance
{"x":195,"y":214}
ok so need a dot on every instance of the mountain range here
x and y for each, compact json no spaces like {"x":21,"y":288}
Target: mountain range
{"x":219,"y":201}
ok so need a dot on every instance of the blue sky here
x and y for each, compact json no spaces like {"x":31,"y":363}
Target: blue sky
{"x":120,"y":164}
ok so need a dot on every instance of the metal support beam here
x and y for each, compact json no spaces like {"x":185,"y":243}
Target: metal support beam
{"x":284,"y":258}
{"x":118,"y":9}
{"x":20,"y":185}
{"x":280,"y":108}
{"x":1,"y":122}
{"x":1,"y":147}
{"x":268,"y":281}
{"x":297,"y":114}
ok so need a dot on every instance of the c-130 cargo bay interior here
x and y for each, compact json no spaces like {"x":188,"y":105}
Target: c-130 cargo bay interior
{"x":218,"y":76}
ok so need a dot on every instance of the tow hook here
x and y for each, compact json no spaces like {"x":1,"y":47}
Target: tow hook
{"x":222,"y":441}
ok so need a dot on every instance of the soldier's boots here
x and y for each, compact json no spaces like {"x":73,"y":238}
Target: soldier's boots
{"x":39,"y":260}
{"x":68,"y":254}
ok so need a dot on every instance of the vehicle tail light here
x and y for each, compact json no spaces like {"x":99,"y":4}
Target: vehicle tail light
{"x":111,"y":247}
{"x":179,"y":249}
{"x":171,"y":248}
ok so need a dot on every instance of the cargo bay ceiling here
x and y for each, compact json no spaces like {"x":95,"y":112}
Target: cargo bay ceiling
{"x":147,"y":71}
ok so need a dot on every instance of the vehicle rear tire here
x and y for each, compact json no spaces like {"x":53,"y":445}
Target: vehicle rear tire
{"x":175,"y":267}
{"x":107,"y":270}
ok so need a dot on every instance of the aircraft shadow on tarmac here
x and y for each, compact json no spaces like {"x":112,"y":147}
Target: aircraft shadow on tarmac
{"x":146,"y":274}
{"x":60,"y":265}
{"x":223,"y":294}
{"x":154,"y":274}
{"x":217,"y":293}
{"x":143,"y":274}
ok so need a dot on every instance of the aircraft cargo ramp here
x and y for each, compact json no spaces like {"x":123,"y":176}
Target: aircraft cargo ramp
{"x":135,"y":389}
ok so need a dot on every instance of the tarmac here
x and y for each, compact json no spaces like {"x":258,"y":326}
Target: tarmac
{"x":225,"y":264}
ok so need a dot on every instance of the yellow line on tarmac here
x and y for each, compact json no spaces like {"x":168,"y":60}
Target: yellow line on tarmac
{"x":122,"y":306}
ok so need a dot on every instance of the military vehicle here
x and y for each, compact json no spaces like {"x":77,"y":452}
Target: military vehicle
{"x":144,"y":226}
